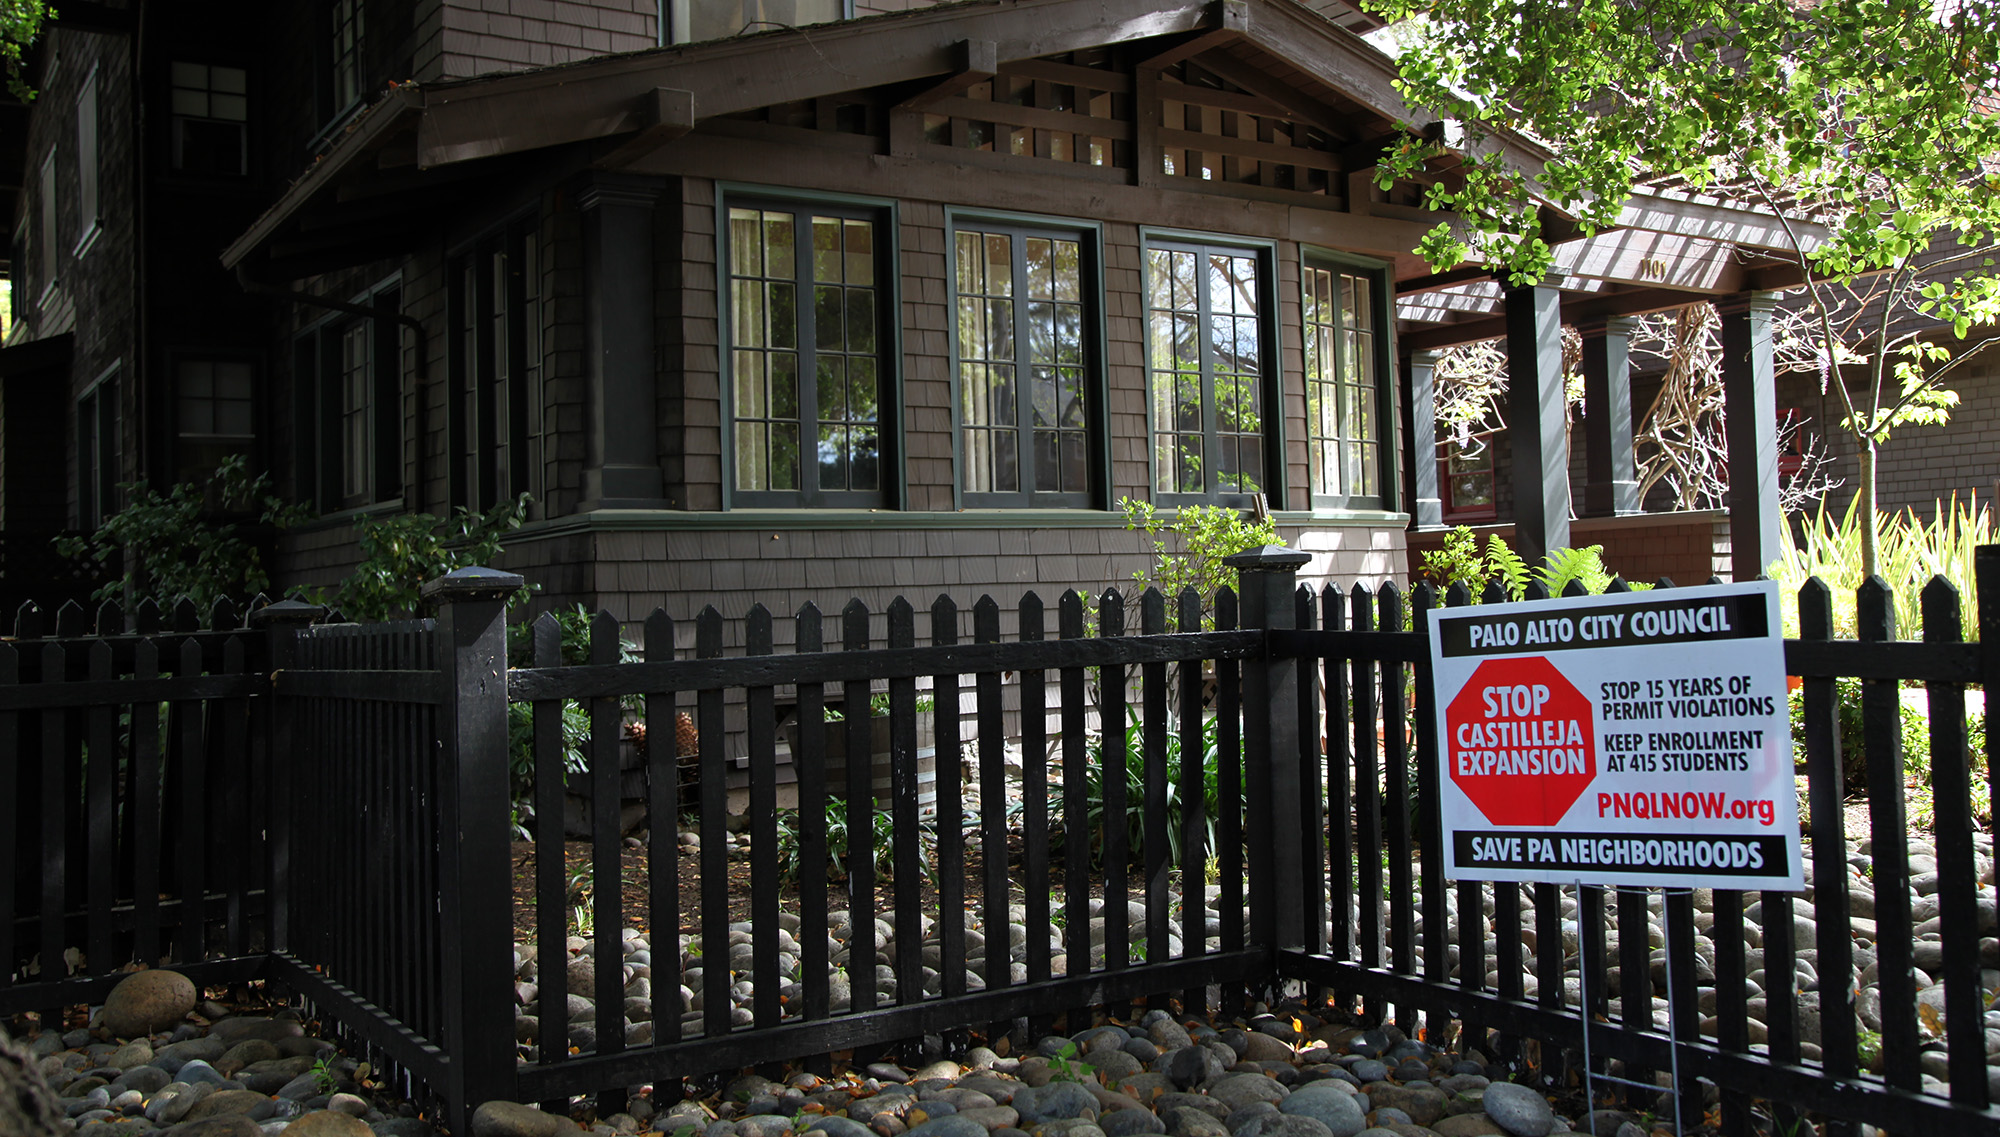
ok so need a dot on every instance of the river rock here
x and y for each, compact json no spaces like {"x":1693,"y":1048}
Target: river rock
{"x":508,"y":1119}
{"x":147,"y":1001}
{"x":1519,"y":1110}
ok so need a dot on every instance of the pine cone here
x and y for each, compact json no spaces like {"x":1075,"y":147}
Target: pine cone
{"x":686,"y":740}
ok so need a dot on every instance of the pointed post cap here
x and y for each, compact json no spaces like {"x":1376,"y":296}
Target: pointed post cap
{"x":471,"y":583}
{"x":1267,"y":558}
{"x":287,"y":614}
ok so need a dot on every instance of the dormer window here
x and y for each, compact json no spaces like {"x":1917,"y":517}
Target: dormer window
{"x":211,"y":112}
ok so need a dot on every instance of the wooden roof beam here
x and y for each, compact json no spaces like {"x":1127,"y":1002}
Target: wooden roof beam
{"x":666,"y":113}
{"x":977,"y":61}
{"x":1627,"y":302}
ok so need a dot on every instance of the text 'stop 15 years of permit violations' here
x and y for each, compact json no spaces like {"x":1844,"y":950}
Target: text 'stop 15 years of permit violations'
{"x":1640,"y":739}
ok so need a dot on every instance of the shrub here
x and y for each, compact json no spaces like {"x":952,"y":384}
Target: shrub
{"x":399,"y":552}
{"x":164,"y":547}
{"x":1092,"y":775}
{"x":1188,"y":551}
{"x":1911,"y":551}
{"x":1913,"y":728}
{"x":1460,"y":562}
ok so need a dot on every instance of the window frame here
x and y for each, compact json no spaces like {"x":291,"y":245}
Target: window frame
{"x":1097,"y":444}
{"x":99,"y":419}
{"x":678,"y":16}
{"x":89,"y":150}
{"x":320,"y":414}
{"x":177,"y":127}
{"x":49,"y":227}
{"x":1271,"y":380}
{"x":893,"y":491}
{"x":496,"y":379}
{"x":182,"y":438}
{"x":1449,"y":509}
{"x":1382,"y":354}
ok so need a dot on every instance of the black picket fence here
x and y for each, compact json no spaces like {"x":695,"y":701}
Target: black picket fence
{"x":378,"y":886}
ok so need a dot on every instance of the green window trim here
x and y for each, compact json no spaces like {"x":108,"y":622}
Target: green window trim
{"x":1212,"y":378}
{"x":810,"y":382}
{"x":1027,"y":361}
{"x":1345,"y":356}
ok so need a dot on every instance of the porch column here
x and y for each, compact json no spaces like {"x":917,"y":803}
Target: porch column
{"x":1426,"y":507}
{"x":1749,"y":392}
{"x":1535,"y":422}
{"x":1610,"y":487}
{"x":622,"y":447}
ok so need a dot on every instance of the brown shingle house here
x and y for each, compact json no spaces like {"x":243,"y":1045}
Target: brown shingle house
{"x":897,"y":303}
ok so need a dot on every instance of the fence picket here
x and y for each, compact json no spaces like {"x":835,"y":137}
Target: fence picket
{"x":1340,"y":800}
{"x":1193,"y":791}
{"x":714,"y":838}
{"x":908,"y":844}
{"x":551,"y":870}
{"x":1153,"y":778}
{"x":1312,"y":820}
{"x":1229,"y":795}
{"x":809,"y":760}
{"x":761,"y":738}
{"x":1881,"y":718}
{"x":54,"y":818}
{"x":1437,"y":939}
{"x":1030,"y":619}
{"x":1958,"y":877}
{"x":992,"y":803}
{"x":1117,"y":854}
{"x":1076,"y":824}
{"x":947,"y":755}
{"x":854,"y":707}
{"x":101,"y":824}
{"x":13,"y":830}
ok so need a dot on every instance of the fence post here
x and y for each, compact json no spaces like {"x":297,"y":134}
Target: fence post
{"x":476,"y":897}
{"x":281,"y":622}
{"x":1267,"y":577}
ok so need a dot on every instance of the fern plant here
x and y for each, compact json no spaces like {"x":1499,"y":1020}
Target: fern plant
{"x":1459,"y":562}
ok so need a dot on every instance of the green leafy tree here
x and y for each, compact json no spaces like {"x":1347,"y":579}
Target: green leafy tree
{"x":166,"y":546}
{"x":20,"y":22}
{"x":1189,"y":549}
{"x":1873,"y":118}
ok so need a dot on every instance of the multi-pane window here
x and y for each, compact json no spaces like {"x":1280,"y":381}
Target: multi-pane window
{"x":496,"y":410}
{"x":348,"y":29}
{"x":1209,"y":368}
{"x":211,"y":111}
{"x":1466,"y":476}
{"x":1343,"y":397}
{"x":347,"y":408}
{"x":807,"y":339}
{"x":214,"y":414}
{"x":46,"y":235}
{"x":1023,"y":372}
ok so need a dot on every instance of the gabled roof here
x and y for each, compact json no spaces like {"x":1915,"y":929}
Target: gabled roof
{"x":419,"y":145}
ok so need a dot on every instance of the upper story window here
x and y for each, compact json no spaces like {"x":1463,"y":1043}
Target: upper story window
{"x":214,"y":414}
{"x":1024,"y":298}
{"x":1211,"y":372}
{"x":1344,"y":395}
{"x":45,"y":237}
{"x":86,"y":164}
{"x":809,"y":353}
{"x":211,"y":114}
{"x":498,"y":407}
{"x":348,"y":31}
{"x":696,"y":21}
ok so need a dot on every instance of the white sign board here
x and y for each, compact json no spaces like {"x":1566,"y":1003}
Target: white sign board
{"x":1638,"y":739}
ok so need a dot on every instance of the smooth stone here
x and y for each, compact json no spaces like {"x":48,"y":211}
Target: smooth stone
{"x":1284,"y":1125}
{"x":1336,"y":1109}
{"x":233,"y":1031}
{"x":1369,"y":1070}
{"x":197,"y":1073}
{"x":949,"y":1126}
{"x":1053,"y":1102}
{"x":138,"y":1052}
{"x":836,"y":1126}
{"x":992,"y":1116}
{"x":228,"y":1101}
{"x":1261,"y":1047}
{"x":1184,"y":1121}
{"x":146,"y":1002}
{"x":1116,"y":1064}
{"x":1192,"y":1065}
{"x":147,"y":1080}
{"x":175,"y":1055}
{"x":1238,"y":1118}
{"x":509,"y":1119}
{"x":1200,"y":1103}
{"x":1469,"y":1125}
{"x":1238,"y":1090}
{"x":249,"y":1052}
{"x":330,"y":1123}
{"x":1519,"y":1110}
{"x":1130,"y":1123}
{"x":234,"y":1125}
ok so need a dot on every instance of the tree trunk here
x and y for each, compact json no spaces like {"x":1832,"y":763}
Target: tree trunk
{"x":28,"y":1106}
{"x":1870,"y":530}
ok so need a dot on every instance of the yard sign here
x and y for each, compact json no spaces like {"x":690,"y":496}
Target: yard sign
{"x":1639,"y":738}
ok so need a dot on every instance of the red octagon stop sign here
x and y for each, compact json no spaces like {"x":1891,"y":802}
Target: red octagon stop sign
{"x":1519,"y":741}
